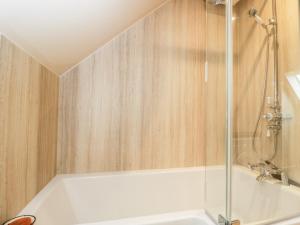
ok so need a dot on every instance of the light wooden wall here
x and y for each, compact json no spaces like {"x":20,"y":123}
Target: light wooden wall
{"x":289,"y":55}
{"x":28,"y":128}
{"x":249,"y":83}
{"x":215,"y":87}
{"x":139,"y":102}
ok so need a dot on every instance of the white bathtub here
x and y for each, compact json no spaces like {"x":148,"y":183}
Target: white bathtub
{"x":162,"y":197}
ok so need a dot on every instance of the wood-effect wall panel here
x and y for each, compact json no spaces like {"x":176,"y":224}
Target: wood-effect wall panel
{"x":28,"y":128}
{"x":249,"y":83}
{"x":215,"y":86}
{"x":289,"y":54}
{"x":139,"y":101}
{"x":251,"y":61}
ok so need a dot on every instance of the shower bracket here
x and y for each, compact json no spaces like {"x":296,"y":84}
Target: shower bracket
{"x":223,"y":221}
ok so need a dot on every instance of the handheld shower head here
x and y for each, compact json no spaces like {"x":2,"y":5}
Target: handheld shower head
{"x":253,"y":13}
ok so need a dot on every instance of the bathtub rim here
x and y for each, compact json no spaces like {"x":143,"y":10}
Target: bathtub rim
{"x":33,"y":206}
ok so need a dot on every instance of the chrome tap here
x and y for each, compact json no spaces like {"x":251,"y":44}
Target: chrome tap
{"x":268,"y":170}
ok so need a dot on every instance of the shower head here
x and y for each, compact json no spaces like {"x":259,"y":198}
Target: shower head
{"x":253,"y":13}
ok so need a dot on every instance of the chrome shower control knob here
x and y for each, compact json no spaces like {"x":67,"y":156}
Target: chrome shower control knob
{"x":272,"y":21}
{"x":268,"y":116}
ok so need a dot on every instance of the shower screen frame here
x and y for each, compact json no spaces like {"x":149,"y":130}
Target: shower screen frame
{"x":229,"y":106}
{"x":219,"y":67}
{"x":229,"y":113}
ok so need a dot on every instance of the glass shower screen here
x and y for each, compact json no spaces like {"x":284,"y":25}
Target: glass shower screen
{"x":218,"y":93}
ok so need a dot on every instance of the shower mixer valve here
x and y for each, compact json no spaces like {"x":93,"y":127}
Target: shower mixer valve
{"x":273,"y":122}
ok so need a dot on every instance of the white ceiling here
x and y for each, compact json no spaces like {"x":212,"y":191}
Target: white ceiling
{"x":60,"y":33}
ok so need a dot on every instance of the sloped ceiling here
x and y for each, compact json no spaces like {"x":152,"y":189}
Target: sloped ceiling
{"x":60,"y":33}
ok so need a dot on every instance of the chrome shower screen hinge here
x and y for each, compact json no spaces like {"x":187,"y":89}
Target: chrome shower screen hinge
{"x":223,"y":221}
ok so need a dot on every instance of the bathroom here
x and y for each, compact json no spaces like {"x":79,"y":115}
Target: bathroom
{"x":149,"y":112}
